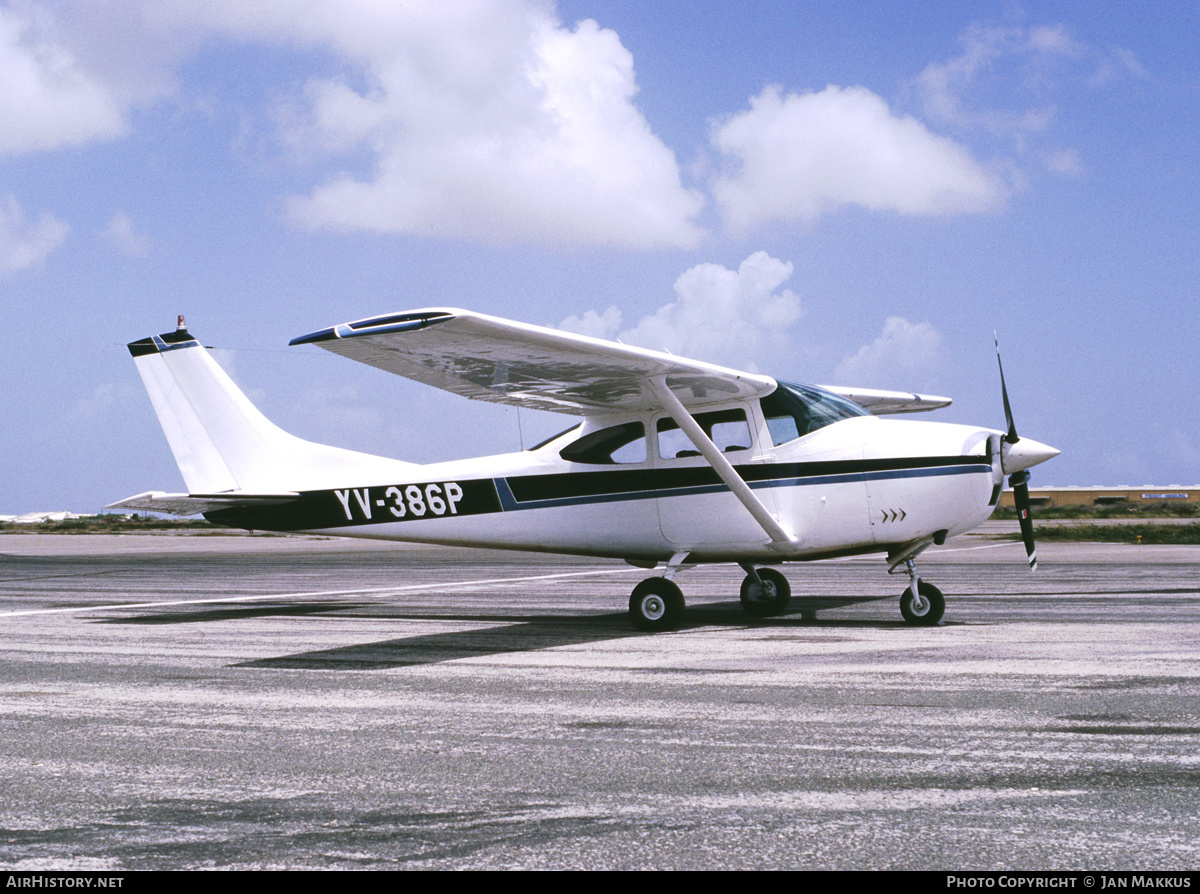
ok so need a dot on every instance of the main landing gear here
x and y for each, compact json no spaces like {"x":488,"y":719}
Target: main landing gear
{"x":657,"y":603}
{"x":765,"y":592}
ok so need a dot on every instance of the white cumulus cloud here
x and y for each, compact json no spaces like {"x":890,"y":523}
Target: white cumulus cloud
{"x":124,"y":236}
{"x":903,"y":353}
{"x":1066,"y":162}
{"x":485,"y":120}
{"x":796,"y":157}
{"x":594,"y":324}
{"x":992,"y":55}
{"x":26,"y":243}
{"x":47,"y":99}
{"x":732,"y":317}
{"x":506,"y":127}
{"x":1004,"y":80}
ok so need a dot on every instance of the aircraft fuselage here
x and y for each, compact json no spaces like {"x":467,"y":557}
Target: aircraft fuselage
{"x":859,"y":485}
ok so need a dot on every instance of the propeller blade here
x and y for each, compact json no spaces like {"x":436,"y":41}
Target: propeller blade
{"x":1020,"y":486}
{"x":1012,"y":437}
{"x":1018,"y":460}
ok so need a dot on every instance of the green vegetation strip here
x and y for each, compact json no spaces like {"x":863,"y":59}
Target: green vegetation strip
{"x":1146,"y":534}
{"x":110,"y":524}
{"x":1124,"y":509}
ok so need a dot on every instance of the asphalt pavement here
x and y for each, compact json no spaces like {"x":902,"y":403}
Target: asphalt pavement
{"x":243,"y":702}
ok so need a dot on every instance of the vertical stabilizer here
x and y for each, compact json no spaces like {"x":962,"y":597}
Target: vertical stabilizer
{"x":220,"y":440}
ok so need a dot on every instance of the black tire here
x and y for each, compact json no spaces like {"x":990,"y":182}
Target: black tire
{"x":934,"y":607}
{"x":769,"y":598}
{"x":656,"y":605}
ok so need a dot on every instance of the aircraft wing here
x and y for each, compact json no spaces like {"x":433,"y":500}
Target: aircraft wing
{"x":882,"y":403}
{"x":497,"y":360}
{"x":194,"y":504}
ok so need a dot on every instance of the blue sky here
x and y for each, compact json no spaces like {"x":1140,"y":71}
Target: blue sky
{"x":852,"y":194}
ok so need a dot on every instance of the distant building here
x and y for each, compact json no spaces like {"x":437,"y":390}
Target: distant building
{"x":34,"y":518}
{"x":1106,"y":496}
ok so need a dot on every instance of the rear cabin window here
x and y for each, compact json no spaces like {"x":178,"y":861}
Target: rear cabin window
{"x":793,"y":411}
{"x":540,"y":444}
{"x":618,"y":445}
{"x":727,"y":429}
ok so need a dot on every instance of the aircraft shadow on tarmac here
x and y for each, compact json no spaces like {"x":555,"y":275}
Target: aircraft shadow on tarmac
{"x":513,"y":633}
{"x":225,"y":613}
{"x":528,"y":634}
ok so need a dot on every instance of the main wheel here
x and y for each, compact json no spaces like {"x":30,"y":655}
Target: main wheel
{"x":656,"y":605}
{"x":768,"y":598}
{"x":930,"y":609}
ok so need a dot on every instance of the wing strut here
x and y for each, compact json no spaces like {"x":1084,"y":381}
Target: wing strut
{"x":728,"y":474}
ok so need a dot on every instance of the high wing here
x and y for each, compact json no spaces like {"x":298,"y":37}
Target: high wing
{"x":502,"y":361}
{"x":488,"y":358}
{"x":882,"y":403}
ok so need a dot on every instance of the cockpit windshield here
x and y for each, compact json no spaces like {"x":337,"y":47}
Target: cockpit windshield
{"x":793,"y":411}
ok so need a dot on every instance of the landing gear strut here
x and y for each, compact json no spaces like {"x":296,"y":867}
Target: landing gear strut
{"x":765,"y":592}
{"x":922,"y":604}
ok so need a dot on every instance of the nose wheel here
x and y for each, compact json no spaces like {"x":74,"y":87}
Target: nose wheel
{"x":925,"y":611}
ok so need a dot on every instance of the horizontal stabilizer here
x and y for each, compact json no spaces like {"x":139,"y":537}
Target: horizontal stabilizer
{"x":194,"y":504}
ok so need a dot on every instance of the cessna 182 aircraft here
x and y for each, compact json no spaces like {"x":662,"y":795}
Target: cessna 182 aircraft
{"x":676,"y":462}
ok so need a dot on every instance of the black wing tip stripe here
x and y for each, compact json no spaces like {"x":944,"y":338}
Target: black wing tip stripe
{"x":381,"y":325}
{"x":157,"y":344}
{"x":313,"y":337}
{"x":399,"y":322}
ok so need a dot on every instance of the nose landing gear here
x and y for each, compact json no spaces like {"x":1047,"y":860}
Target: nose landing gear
{"x":922,"y":604}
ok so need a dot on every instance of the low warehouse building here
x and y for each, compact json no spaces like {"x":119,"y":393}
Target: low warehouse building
{"x":1104,"y":496}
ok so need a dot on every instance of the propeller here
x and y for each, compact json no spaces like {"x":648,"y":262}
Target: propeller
{"x":1018,"y":461}
{"x":1020,"y":485}
{"x":1012,"y":437}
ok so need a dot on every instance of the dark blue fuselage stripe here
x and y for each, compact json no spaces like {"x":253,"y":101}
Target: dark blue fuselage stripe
{"x":882,"y":475}
{"x":509,"y":503}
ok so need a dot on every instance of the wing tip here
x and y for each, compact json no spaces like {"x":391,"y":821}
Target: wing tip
{"x":380,"y":325}
{"x":312,"y":337}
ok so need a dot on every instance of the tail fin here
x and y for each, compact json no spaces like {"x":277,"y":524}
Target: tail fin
{"x":220,"y":440}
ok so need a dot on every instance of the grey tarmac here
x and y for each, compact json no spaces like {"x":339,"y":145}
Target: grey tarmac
{"x":287,"y":702}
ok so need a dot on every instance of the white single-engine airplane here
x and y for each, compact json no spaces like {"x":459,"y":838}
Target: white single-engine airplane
{"x":676,"y":461}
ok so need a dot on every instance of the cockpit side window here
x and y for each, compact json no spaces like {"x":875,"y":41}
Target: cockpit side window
{"x":727,"y":429}
{"x":793,"y":411}
{"x":618,"y":445}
